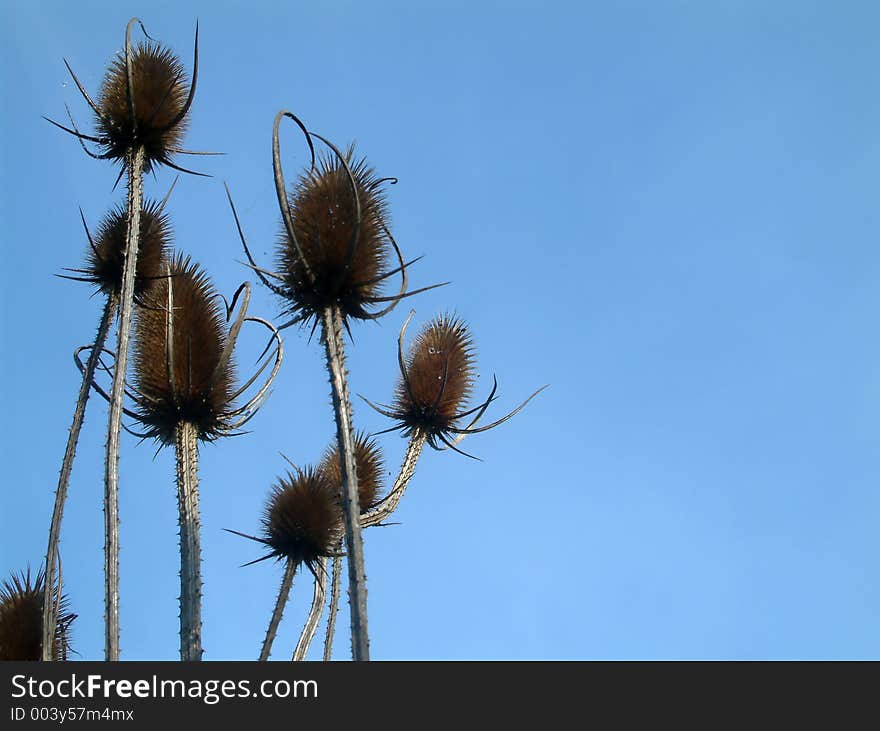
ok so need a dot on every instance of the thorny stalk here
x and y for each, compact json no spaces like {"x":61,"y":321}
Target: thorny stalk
{"x":331,"y":336}
{"x":134,"y":161}
{"x":187,"y":453}
{"x":317,"y":608}
{"x":50,"y":606}
{"x":278,"y":612}
{"x":334,"y":604}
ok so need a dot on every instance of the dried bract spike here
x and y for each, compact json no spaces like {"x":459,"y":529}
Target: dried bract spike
{"x":368,"y":458}
{"x":21,"y":616}
{"x":440,"y":376}
{"x":303,"y":519}
{"x":325,"y":220}
{"x":182,"y":383}
{"x":160,"y":88}
{"x":106,"y":258}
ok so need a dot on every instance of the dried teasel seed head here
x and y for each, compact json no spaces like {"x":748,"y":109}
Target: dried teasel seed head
{"x":440,"y":376}
{"x":324,"y":213}
{"x":160,"y":88}
{"x":104,"y":261}
{"x":303,"y":518}
{"x":368,"y":460}
{"x":183,"y":384}
{"x":21,"y":618}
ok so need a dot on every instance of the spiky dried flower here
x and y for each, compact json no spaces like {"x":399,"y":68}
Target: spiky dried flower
{"x":436,"y":381}
{"x":302,"y":521}
{"x":324,"y":210}
{"x":105,"y":257}
{"x":368,"y":458}
{"x":21,"y":616}
{"x":143,"y":102}
{"x":188,"y":377}
{"x":159,"y":94}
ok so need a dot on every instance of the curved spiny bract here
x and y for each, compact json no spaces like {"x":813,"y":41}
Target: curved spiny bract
{"x":369,"y":466}
{"x":105,"y":258}
{"x":177,"y":377}
{"x":159,"y":91}
{"x":21,"y":617}
{"x":329,"y":215}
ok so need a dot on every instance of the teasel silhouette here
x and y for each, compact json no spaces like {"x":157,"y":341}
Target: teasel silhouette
{"x":436,"y":381}
{"x":184,"y":392}
{"x":303,"y":525}
{"x":21,"y":619}
{"x":141,"y":116}
{"x":103,"y":269}
{"x":333,"y":258}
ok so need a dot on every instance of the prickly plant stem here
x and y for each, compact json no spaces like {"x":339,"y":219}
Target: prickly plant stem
{"x":278,"y":612}
{"x":336,"y":571}
{"x":331,"y":335}
{"x":49,"y":618}
{"x":389,"y":503}
{"x":319,"y":593}
{"x":134,"y":161}
{"x":187,"y":453}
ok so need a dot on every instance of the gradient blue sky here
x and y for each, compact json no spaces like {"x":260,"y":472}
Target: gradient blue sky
{"x":667,"y":210}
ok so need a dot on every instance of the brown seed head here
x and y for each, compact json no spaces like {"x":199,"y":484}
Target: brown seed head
{"x":104,"y":263}
{"x":303,"y":518}
{"x":21,"y":618}
{"x":368,"y":458}
{"x":160,"y":88}
{"x":196,"y":392}
{"x":323,"y":209}
{"x":440,"y":369}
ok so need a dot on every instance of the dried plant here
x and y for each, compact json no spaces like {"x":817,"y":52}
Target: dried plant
{"x":21,"y":619}
{"x":302,"y":524}
{"x":184,"y":391}
{"x":141,"y":116}
{"x":103,"y":269}
{"x":436,"y":380}
{"x":334,"y":255}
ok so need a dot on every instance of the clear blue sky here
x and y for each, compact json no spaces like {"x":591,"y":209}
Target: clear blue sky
{"x":667,"y":210}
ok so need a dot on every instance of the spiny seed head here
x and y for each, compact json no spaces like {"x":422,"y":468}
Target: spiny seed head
{"x":196,"y":392}
{"x":441,"y":370}
{"x":368,"y":461}
{"x":303,"y":518}
{"x":160,"y":87}
{"x":323,"y":209}
{"x":21,"y":620}
{"x":104,"y":262}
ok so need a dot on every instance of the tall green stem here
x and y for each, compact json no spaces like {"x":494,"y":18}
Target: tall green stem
{"x":49,"y":618}
{"x":187,"y":453}
{"x":134,"y":161}
{"x":354,"y":547}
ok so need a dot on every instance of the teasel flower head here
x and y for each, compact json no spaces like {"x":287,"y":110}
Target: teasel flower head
{"x":105,"y":257}
{"x":21,"y":617}
{"x":323,"y":207}
{"x":302,"y":520}
{"x":183,"y":367}
{"x":436,"y":381}
{"x":369,"y":465}
{"x":335,"y":247}
{"x":144,"y":101}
